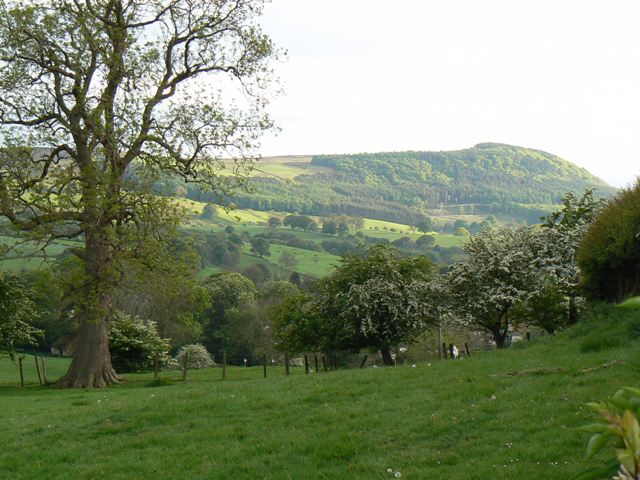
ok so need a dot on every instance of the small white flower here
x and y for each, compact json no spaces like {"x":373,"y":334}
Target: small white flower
{"x":389,"y":470}
{"x":413,"y":366}
{"x":493,"y":397}
{"x":397,"y":474}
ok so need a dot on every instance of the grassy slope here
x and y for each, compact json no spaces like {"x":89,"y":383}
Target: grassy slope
{"x":438,"y":421}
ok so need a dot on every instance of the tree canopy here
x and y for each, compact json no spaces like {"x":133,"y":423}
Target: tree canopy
{"x":100,"y":98}
{"x":376,"y":300}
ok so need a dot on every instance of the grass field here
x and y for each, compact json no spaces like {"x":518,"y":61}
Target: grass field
{"x":316,"y":264}
{"x":466,"y":419}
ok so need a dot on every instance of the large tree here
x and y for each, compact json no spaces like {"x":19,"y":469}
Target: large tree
{"x":496,"y":277}
{"x":376,"y":300}
{"x":99,"y":98}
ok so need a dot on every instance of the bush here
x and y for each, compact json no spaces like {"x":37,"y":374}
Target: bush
{"x":618,"y":425}
{"x":193,"y":356}
{"x":135,"y":345}
{"x":609,"y":256}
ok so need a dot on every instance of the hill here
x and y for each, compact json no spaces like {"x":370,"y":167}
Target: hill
{"x":513,"y":182}
{"x":473,"y":418}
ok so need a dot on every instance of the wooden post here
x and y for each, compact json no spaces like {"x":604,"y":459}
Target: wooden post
{"x":264,"y":364}
{"x":315,"y":362}
{"x":224,"y":365}
{"x":38,"y":369}
{"x":286,"y":363}
{"x":364,"y":361}
{"x":466,"y":347}
{"x":324,"y":363}
{"x":185,"y":366}
{"x":20,"y":358}
{"x":156,"y":366}
{"x":444,"y":350}
{"x":44,"y":370}
{"x":528,"y":336}
{"x":306,"y":364}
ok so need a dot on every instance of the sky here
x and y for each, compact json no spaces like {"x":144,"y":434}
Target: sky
{"x":561,"y":76}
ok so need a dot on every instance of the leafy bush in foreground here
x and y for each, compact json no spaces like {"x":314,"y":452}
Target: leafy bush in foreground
{"x":618,"y":425}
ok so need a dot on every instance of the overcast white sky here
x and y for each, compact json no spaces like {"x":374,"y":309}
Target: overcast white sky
{"x":377,"y":75}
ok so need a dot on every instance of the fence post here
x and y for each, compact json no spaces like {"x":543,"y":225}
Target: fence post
{"x":286,"y":363}
{"x":44,"y":370}
{"x":156,"y":366}
{"x":364,"y":360}
{"x":264,"y":364}
{"x":224,"y":365}
{"x":185,"y":365}
{"x":444,"y":350}
{"x":306,"y":364}
{"x":324,"y":363}
{"x":20,"y":358}
{"x":466,"y":347}
{"x":38,"y":369}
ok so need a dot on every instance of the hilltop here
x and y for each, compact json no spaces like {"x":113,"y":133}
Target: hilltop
{"x":511,"y":182}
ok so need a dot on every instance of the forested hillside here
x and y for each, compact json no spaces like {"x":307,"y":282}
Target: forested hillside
{"x":489,"y":178}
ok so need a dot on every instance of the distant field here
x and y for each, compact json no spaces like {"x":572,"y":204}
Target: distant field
{"x":245,"y":220}
{"x":316,"y":264}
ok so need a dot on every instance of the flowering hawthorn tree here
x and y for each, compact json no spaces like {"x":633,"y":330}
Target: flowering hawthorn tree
{"x":377,"y":300}
{"x":496,"y":277}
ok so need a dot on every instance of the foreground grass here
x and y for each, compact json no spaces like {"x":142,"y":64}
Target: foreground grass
{"x":455,"y":419}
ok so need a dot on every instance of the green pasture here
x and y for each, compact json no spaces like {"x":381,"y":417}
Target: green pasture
{"x":631,"y":303}
{"x":494,"y":415}
{"x":316,"y":264}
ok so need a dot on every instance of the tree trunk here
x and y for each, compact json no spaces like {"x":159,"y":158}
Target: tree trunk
{"x":573,"y":311}
{"x":387,"y":359}
{"x":91,"y":365}
{"x":500,"y":334}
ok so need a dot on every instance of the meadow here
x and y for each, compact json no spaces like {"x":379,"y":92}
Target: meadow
{"x":495,"y":415}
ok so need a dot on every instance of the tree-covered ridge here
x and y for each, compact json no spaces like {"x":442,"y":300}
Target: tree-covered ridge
{"x":489,"y":178}
{"x":485,"y":173}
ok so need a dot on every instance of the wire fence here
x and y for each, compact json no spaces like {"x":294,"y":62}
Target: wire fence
{"x":38,"y":369}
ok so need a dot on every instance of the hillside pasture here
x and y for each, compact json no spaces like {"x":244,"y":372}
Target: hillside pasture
{"x":500,"y":415}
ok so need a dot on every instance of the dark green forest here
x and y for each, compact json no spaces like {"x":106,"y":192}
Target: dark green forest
{"x":489,"y":178}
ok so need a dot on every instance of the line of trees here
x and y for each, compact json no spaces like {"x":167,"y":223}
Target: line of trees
{"x":512,"y":275}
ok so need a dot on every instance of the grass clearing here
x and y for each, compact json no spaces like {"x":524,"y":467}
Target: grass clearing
{"x":450,"y":419}
{"x":631,"y":303}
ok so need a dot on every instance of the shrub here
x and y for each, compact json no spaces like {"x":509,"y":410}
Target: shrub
{"x":193,"y":356}
{"x":609,"y":256}
{"x":618,"y":425}
{"x":135,"y":344}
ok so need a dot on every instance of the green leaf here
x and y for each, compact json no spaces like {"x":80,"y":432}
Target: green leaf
{"x":598,"y":473}
{"x":596,"y":443}
{"x":594,"y":428}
